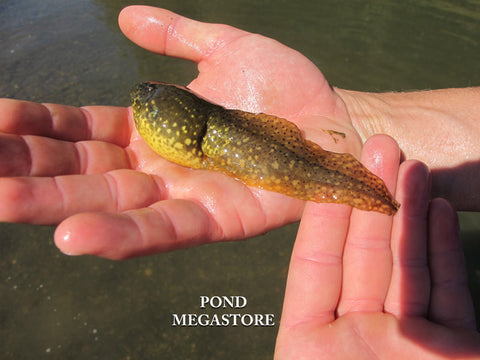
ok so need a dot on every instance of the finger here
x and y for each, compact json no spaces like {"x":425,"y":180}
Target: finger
{"x":104,"y":123}
{"x":163,"y":226}
{"x":451,"y":302}
{"x":51,"y":200}
{"x":167,"y":33}
{"x":367,"y":258}
{"x":28,"y":155}
{"x":409,"y":290}
{"x":315,"y":272}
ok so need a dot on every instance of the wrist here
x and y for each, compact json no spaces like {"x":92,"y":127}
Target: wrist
{"x":437,"y":127}
{"x":368,"y":112}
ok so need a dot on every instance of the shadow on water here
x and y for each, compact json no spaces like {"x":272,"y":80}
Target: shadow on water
{"x":74,"y":53}
{"x":470,"y":234}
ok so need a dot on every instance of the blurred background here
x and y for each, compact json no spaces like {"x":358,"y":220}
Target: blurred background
{"x":72,"y":52}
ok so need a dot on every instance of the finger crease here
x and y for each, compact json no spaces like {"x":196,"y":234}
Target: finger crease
{"x":30,"y":155}
{"x":450,"y":283}
{"x":81,"y":157}
{"x":258,"y":203}
{"x":166,"y":219}
{"x":322,"y":259}
{"x":214,"y":234}
{"x":315,"y":318}
{"x":370,"y":244}
{"x":61,"y":193}
{"x":160,"y":187}
{"x":87,"y":123}
{"x":366,"y":345}
{"x":240,"y":221}
{"x":112,"y":187}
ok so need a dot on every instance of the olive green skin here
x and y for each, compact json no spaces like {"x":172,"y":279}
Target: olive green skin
{"x":258,"y":149}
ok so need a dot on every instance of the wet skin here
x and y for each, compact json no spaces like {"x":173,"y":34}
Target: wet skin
{"x":258,"y":149}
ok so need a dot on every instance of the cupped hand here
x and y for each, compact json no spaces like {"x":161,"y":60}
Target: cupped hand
{"x":88,"y":170}
{"x":366,"y":286}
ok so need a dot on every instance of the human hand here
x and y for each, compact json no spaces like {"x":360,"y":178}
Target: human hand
{"x":89,"y":171}
{"x":364,"y":285}
{"x":438,"y":127}
{"x":241,"y":70}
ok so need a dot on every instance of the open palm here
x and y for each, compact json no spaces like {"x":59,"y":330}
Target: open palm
{"x":89,"y":171}
{"x":367,"y":286}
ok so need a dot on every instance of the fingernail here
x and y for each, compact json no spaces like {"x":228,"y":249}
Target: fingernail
{"x":64,"y":243}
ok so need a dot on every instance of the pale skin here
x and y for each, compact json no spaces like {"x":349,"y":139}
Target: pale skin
{"x":367,"y":286}
{"x":88,"y":171}
{"x":438,"y":127}
{"x":124,"y":200}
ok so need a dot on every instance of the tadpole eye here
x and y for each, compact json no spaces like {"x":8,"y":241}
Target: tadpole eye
{"x":150,"y":87}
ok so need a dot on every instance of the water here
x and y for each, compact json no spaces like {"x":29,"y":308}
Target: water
{"x":72,"y":52}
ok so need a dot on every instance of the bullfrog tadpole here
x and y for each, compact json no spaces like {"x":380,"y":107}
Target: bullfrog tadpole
{"x":258,"y":149}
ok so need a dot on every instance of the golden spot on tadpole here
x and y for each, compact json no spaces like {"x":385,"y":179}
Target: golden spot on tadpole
{"x":258,"y":149}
